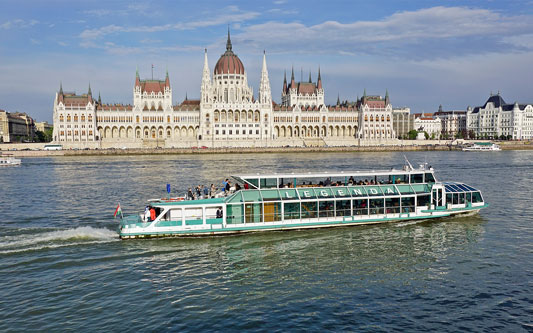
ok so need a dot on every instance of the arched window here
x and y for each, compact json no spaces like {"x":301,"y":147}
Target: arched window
{"x":90,"y":117}
{"x":75,"y":117}
{"x":61,"y":118}
{"x":82,"y":117}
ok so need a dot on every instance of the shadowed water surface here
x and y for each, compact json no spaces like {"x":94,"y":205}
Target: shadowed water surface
{"x":64,"y":269}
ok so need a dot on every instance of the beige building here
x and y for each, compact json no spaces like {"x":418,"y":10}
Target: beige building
{"x":227,"y":114}
{"x":402,"y":121}
{"x":16,"y":127}
{"x":43,"y":126}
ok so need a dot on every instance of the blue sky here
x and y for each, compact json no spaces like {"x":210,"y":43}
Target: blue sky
{"x":425,"y":52}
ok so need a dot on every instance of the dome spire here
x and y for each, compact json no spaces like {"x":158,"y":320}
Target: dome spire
{"x":228,"y":43}
{"x":60,"y":88}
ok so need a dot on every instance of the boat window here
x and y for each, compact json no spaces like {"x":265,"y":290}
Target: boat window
{"x":343,"y":208}
{"x":476,"y":197}
{"x":306,"y":193}
{"x":341,"y":192}
{"x":417,"y":178}
{"x":448,"y":198}
{"x":175,"y":214}
{"x":251,"y":195}
{"x":254,"y":182}
{"x":269,"y":182}
{"x":270,"y":195}
{"x":373,"y":190}
{"x":326,"y":208}
{"x":421,"y":188}
{"x":468,"y":197}
{"x":272,"y":211}
{"x":236,"y":197}
{"x":461,"y":198}
{"x":324,"y":192}
{"x":392,"y":205}
{"x":389,"y":190}
{"x":288,"y":194}
{"x":408,"y":204}
{"x":455,"y":198}
{"x":358,"y":191}
{"x":429,"y":178}
{"x":309,"y":209}
{"x":234,"y":214}
{"x":423,"y":200}
{"x":405,"y":189}
{"x":376,"y":206}
{"x":292,"y":210}
{"x":253,"y":212}
{"x":398,"y":179}
{"x":193,"y":216}
{"x":360,"y":207}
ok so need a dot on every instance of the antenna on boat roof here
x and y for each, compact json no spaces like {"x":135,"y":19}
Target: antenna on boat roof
{"x":408,"y":163}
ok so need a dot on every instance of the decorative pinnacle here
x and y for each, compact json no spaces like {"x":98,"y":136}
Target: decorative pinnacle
{"x":228,"y":43}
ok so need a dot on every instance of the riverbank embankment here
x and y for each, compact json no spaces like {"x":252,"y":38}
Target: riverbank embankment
{"x":35,"y":151}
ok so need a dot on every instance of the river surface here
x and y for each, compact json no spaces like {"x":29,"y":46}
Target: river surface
{"x":64,"y":269}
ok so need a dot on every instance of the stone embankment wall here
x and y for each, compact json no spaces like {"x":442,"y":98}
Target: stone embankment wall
{"x":404,"y":145}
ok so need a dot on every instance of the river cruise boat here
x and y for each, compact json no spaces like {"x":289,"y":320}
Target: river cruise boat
{"x":482,"y":146}
{"x":8,"y":160}
{"x":308,"y":200}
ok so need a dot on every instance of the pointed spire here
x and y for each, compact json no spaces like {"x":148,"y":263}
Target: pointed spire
{"x":137,"y":71}
{"x":60,"y":88}
{"x":89,"y":93}
{"x":228,"y":43}
{"x":167,"y":80}
{"x":293,"y":83}
{"x":338,"y":99}
{"x":284,"y":81}
{"x":186,"y":98}
{"x":99,"y":99}
{"x":265,"y":96}
{"x":387,"y":99}
{"x":364,"y":93}
{"x":319,"y":82}
{"x":310,"y":81}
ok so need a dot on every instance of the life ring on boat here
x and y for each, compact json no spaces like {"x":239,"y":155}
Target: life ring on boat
{"x":173,"y":199}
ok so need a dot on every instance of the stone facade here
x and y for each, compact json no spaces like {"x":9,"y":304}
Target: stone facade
{"x":426,"y":122}
{"x":453,"y":123}
{"x":496,"y":119}
{"x":16,"y":127}
{"x":226,"y":115}
{"x":402,"y":121}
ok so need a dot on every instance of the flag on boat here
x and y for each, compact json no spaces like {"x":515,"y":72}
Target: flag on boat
{"x":117,"y":211}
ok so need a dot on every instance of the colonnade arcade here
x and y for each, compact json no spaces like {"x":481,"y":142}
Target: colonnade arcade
{"x":236,"y":116}
{"x":288,"y":131}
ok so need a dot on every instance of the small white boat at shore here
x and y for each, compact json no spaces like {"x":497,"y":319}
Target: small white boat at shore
{"x":307,"y":200}
{"x":9,"y":160}
{"x":482,"y":146}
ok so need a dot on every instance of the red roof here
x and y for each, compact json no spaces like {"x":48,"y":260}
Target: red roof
{"x":229,"y":63}
{"x":155,"y":86}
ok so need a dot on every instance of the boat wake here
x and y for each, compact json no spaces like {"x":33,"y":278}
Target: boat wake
{"x":55,"y":239}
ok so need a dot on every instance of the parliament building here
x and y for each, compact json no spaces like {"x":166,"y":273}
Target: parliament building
{"x":226,"y":115}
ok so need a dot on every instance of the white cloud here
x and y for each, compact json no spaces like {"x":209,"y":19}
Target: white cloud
{"x":431,"y":32}
{"x":18,"y":24}
{"x":236,"y":16}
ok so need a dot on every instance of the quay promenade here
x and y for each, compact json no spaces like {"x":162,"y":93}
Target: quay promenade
{"x":36,"y":149}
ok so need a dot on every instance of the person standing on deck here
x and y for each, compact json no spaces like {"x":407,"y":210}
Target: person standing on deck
{"x":213,"y":191}
{"x":152,"y":214}
{"x":205,"y":191}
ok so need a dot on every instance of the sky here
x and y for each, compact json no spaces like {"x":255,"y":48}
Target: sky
{"x":425,"y":53}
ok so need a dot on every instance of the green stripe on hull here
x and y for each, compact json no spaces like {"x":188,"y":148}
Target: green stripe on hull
{"x":292,"y":226}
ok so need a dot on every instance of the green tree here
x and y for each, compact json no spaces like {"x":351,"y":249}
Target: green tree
{"x":412,"y":134}
{"x":39,"y":136}
{"x":426,"y":135}
{"x":48,"y":134}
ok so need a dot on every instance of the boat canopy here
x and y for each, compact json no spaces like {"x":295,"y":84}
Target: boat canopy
{"x":310,"y":193}
{"x":392,"y":176}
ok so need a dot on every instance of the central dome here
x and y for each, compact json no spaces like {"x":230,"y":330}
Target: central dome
{"x":229,"y":63}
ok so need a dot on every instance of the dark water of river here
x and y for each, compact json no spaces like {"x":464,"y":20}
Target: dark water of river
{"x":64,"y":269}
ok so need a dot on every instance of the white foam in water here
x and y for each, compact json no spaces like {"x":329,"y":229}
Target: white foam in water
{"x":54,"y":239}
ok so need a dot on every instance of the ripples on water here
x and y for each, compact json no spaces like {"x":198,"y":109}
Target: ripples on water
{"x":63,"y":267}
